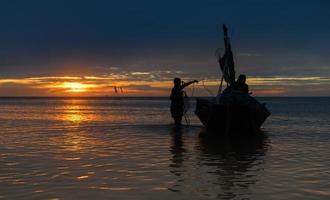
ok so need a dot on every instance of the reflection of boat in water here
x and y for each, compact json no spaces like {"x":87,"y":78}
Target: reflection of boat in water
{"x":233,"y":111}
{"x":223,"y":169}
{"x":235,"y":165}
{"x":252,"y":146}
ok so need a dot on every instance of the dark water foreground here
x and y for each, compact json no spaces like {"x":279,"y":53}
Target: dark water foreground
{"x":126,"y":148}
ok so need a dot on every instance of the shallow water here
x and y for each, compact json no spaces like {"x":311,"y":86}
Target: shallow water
{"x":126,"y":148}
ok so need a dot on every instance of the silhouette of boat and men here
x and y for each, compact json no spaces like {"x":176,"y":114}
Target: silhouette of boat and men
{"x":233,"y":111}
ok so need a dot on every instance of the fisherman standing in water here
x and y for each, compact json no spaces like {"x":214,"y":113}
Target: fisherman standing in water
{"x":177,"y":101}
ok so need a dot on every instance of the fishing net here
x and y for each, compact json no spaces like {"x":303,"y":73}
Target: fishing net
{"x":186,"y":107}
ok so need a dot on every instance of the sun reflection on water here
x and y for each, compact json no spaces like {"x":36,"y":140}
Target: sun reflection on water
{"x":74,"y":117}
{"x":77,"y":111}
{"x":73,"y":111}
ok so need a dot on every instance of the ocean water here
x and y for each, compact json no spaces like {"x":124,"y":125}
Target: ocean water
{"x":126,"y":148}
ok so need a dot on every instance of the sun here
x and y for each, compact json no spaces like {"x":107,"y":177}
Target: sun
{"x":75,"y":87}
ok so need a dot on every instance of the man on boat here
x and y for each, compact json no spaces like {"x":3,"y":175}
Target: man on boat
{"x":241,"y":84}
{"x":177,"y":101}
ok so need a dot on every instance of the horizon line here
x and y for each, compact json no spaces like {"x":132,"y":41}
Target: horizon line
{"x":144,"y":96}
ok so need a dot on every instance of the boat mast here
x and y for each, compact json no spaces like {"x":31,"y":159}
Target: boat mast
{"x":226,"y":62}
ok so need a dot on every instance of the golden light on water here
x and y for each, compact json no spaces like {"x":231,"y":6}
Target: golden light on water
{"x":73,"y":111}
{"x":76,"y":114}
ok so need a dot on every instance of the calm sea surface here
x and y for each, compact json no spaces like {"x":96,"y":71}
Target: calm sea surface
{"x":126,"y":148}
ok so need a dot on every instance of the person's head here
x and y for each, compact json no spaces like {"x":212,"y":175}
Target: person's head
{"x":241,"y":79}
{"x":177,"y":82}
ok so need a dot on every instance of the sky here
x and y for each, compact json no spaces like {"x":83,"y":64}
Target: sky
{"x":86,"y":48}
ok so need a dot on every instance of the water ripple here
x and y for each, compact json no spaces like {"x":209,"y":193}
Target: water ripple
{"x":98,"y":149}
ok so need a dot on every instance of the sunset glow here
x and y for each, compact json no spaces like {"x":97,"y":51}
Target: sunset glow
{"x":75,"y":87}
{"x":137,"y":84}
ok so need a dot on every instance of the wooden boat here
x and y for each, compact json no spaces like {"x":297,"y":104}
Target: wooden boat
{"x":232,"y":112}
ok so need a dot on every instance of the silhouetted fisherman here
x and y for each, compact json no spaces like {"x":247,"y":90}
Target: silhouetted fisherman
{"x":177,"y":101}
{"x":241,"y":85}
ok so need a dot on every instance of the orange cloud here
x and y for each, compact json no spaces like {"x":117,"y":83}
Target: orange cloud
{"x":153,"y":83}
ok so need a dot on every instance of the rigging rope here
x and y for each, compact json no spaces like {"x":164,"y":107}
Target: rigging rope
{"x":220,"y":88}
{"x":209,"y":91}
{"x":186,"y":105}
{"x":193,"y":90}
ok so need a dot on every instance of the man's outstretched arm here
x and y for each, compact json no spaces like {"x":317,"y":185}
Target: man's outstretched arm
{"x":188,"y":83}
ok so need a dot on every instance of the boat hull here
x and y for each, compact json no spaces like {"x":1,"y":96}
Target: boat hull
{"x":232,"y":118}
